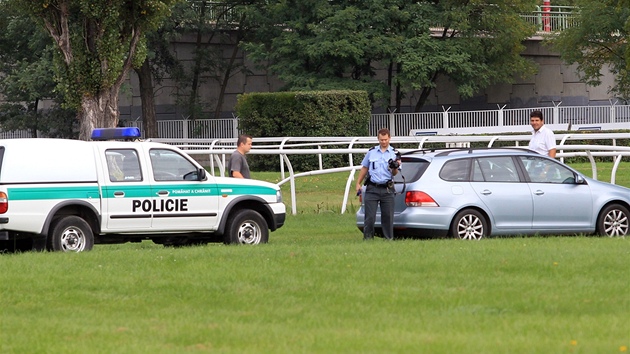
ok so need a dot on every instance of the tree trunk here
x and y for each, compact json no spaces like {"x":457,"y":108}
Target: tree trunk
{"x":99,"y":111}
{"x":192,"y":100}
{"x":424,"y":94}
{"x":398,"y":90}
{"x":149,"y":120}
{"x":226,"y":78}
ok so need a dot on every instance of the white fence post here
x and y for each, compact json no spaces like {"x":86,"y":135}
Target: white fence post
{"x":392,"y":122}
{"x":556,"y":112}
{"x":500,"y":116}
{"x":613,"y":111}
{"x":445,"y":117}
{"x":235,"y":132}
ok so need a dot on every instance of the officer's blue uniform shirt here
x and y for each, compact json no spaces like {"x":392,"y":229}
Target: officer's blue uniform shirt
{"x":377,"y":163}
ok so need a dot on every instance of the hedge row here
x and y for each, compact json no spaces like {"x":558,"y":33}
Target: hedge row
{"x":302,"y":114}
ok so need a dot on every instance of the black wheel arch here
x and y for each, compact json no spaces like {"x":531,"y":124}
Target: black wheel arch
{"x":248,"y":202}
{"x":611,"y":202}
{"x":79,"y":208}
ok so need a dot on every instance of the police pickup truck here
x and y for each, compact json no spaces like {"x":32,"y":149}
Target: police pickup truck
{"x":67,"y":195}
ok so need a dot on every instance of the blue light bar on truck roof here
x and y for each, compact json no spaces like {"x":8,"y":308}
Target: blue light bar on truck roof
{"x":128,"y":133}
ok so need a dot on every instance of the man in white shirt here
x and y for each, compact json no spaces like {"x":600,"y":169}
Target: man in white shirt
{"x":543,"y":140}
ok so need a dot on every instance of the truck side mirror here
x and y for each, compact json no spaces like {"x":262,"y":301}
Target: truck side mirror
{"x":201,"y":174}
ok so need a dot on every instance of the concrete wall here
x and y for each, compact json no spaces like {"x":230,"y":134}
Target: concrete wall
{"x":555,"y":82}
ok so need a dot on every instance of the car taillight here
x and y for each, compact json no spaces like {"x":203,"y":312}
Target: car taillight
{"x":419,"y":199}
{"x":4,"y":203}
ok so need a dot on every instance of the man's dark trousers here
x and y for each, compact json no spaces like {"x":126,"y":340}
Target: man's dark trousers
{"x":373,"y":196}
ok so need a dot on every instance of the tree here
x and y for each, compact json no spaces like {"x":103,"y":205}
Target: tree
{"x":159,"y":64}
{"x":218,"y":29}
{"x":27,"y":78}
{"x":339,"y":44}
{"x":598,"y":39}
{"x":97,"y":42}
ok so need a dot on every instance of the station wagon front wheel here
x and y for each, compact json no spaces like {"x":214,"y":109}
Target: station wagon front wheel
{"x":246,"y":227}
{"x":614,"y":220}
{"x":469,"y":224}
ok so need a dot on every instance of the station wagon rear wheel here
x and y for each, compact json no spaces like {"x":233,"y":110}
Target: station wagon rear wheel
{"x":469,"y":224}
{"x":246,"y":227}
{"x":614,"y":220}
{"x":70,"y":234}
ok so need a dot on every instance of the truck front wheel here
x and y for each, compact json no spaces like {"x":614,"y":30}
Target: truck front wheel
{"x":70,"y":234}
{"x":246,"y":227}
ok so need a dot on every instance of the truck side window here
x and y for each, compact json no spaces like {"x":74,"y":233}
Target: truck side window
{"x":123,"y":165}
{"x":168,"y":165}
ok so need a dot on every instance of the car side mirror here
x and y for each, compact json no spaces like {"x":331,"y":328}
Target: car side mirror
{"x":579,"y":179}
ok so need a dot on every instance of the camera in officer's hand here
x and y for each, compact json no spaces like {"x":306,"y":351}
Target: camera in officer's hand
{"x":393,"y":164}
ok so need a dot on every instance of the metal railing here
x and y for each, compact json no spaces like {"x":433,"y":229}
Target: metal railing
{"x":447,"y":122}
{"x":502,"y":120}
{"x":223,"y":128}
{"x":548,"y":19}
{"x":285,"y":148}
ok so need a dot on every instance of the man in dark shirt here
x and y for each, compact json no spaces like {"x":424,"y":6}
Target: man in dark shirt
{"x":237,"y":166}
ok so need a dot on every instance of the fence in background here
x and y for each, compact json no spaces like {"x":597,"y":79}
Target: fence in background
{"x":447,"y":122}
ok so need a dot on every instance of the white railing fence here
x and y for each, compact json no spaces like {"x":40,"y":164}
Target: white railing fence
{"x":447,"y":122}
{"x":503,"y":120}
{"x":194,"y":129}
{"x":218,"y":150}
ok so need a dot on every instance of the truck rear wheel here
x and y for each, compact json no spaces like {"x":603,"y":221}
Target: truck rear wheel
{"x":70,"y":234}
{"x":246,"y":227}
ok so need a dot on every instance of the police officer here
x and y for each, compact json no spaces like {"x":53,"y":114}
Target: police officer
{"x":380,"y":165}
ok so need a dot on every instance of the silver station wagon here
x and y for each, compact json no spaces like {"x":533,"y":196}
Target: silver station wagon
{"x":474,"y":193}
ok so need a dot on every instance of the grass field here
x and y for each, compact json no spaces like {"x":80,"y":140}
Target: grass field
{"x":318,"y":288}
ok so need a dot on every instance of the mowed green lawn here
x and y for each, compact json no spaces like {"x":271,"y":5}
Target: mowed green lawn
{"x":318,"y":288}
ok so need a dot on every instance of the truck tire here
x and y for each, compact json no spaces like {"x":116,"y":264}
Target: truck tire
{"x":70,"y":234}
{"x":246,"y":227}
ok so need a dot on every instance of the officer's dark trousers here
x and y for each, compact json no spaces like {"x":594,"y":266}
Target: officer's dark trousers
{"x":373,"y":196}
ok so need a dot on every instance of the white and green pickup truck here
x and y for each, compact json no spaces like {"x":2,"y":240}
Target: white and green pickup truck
{"x":67,"y":195}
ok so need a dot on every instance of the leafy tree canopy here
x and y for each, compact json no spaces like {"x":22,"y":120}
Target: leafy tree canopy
{"x":597,"y":40}
{"x":338,"y":44}
{"x":97,"y":41}
{"x":25,"y":65}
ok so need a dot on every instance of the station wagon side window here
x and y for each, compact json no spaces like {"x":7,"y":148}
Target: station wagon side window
{"x":542,"y":170}
{"x":495,"y":169}
{"x":168,"y":165}
{"x":123,"y":165}
{"x":456,"y":170}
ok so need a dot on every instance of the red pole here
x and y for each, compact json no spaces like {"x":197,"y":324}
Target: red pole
{"x":546,"y":15}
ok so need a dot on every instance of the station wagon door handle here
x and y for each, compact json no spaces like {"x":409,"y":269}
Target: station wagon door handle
{"x":486,"y":192}
{"x":163,"y":193}
{"x":539,"y":192}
